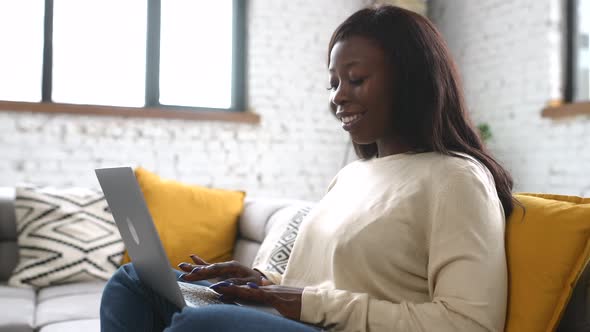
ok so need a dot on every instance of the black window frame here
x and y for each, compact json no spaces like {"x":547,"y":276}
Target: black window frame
{"x":571,"y":43}
{"x":152,"y":84}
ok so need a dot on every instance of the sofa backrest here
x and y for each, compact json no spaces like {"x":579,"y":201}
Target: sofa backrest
{"x":256,"y":220}
{"x":258,"y":216}
{"x":8,"y":245}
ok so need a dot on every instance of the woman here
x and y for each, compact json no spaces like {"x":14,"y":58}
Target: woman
{"x":408,"y":238}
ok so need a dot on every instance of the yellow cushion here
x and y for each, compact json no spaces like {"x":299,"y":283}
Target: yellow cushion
{"x":547,"y":250}
{"x":191,"y":219}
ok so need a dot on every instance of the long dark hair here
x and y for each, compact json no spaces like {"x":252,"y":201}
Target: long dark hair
{"x":429,"y":108}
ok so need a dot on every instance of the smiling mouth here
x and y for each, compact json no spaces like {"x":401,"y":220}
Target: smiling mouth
{"x":349,"y":122}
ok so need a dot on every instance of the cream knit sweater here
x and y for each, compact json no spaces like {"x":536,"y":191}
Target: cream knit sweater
{"x":407,"y":242}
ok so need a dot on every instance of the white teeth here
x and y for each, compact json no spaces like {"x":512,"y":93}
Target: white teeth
{"x":349,"y":119}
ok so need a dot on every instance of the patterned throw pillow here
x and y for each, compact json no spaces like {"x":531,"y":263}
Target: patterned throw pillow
{"x":276,"y":248}
{"x":64,"y":235}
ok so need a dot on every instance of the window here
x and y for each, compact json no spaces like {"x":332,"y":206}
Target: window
{"x":21,"y":61}
{"x":178,"y":55}
{"x":578,"y":46}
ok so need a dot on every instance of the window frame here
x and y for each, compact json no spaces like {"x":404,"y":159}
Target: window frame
{"x":571,"y":28}
{"x":567,"y":107}
{"x":152,"y":108}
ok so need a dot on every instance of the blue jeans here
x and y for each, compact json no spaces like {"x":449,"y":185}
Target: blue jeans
{"x":128,"y":305}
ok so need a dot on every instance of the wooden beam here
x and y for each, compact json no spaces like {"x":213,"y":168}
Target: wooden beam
{"x":133,"y":112}
{"x":556,"y":111}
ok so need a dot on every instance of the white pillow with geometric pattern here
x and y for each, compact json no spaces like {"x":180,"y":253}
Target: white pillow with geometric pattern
{"x":64,"y":235}
{"x":275,"y":250}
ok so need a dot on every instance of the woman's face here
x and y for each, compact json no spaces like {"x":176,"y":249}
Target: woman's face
{"x":361,"y":90}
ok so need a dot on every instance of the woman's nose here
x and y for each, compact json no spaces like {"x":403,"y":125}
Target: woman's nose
{"x":340,"y":95}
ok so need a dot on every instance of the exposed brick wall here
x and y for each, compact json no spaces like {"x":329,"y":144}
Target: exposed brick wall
{"x":510,"y":55}
{"x":294,"y":152}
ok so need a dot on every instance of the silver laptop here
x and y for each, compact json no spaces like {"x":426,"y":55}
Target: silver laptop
{"x":143,"y":244}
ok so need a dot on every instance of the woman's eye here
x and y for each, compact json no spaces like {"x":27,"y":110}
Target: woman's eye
{"x":357,"y":82}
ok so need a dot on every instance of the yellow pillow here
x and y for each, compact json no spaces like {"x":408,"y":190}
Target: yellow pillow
{"x":546,"y":251}
{"x":191,"y":219}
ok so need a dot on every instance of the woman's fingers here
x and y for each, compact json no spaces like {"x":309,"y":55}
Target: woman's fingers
{"x":198,"y":260}
{"x":186,"y":267}
{"x":240,"y":281}
{"x":236,"y":273}
{"x":287,"y":300}
{"x":250,"y":292}
{"x":211,"y":271}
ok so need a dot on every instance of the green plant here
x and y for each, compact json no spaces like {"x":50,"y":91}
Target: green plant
{"x":485,"y":132}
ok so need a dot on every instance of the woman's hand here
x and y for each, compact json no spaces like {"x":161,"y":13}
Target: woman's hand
{"x":287,"y":300}
{"x":232,"y":272}
{"x":243,"y":283}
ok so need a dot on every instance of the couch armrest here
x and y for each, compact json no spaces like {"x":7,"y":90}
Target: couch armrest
{"x":8,"y":246}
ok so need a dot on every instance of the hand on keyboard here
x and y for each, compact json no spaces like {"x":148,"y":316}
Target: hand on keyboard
{"x":196,"y":295}
{"x":232,"y":272}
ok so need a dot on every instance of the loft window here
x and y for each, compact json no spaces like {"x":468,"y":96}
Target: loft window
{"x":180,"y":54}
{"x":578,"y":51}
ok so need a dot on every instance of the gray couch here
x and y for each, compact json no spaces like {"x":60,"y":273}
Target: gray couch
{"x":74,"y":307}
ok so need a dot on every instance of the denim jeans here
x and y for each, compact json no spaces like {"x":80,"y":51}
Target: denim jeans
{"x":129,"y":305}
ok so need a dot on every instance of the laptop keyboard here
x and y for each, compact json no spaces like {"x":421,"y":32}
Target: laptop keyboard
{"x":197,"y":296}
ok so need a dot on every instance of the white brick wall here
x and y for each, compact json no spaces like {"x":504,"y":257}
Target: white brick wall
{"x":294,"y":152}
{"x":510,"y":56}
{"x":419,"y":6}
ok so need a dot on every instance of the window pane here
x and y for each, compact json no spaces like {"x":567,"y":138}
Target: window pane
{"x":582,"y":84}
{"x":21,"y":58}
{"x":99,"y":52}
{"x":196,"y":53}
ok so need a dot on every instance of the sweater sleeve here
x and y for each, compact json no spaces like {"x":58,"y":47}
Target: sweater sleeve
{"x":467,"y":273}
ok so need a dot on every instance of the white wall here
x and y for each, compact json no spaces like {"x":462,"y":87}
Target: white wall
{"x":510,"y":56}
{"x":419,"y":6}
{"x":294,"y":152}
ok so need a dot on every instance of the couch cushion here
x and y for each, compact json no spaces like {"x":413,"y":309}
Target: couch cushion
{"x":190,"y":219}
{"x":245,"y":251}
{"x":8,"y":247}
{"x":8,"y":258}
{"x":547,"y":249}
{"x":85,"y":325}
{"x":7,"y":218}
{"x":576,"y":317}
{"x":16,"y":309}
{"x":281,"y":232}
{"x":257,"y":213}
{"x":62,"y":303}
{"x":64,"y":235}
